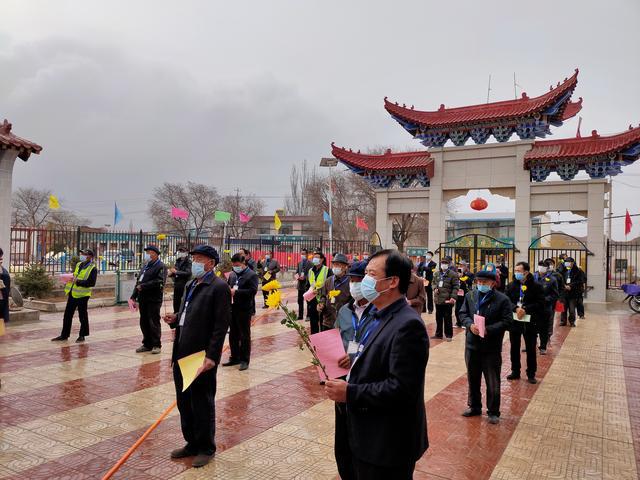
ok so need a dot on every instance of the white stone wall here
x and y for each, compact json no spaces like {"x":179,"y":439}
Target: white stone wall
{"x":7,"y":160}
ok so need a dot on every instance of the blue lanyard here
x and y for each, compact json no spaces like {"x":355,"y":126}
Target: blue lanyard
{"x":149,"y":265}
{"x":357,"y":324}
{"x":193,"y":287}
{"x":363,"y":342}
{"x":342,"y":281}
{"x":483,"y":300}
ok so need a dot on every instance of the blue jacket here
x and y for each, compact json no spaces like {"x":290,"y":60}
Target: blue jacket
{"x":344,"y":322}
{"x":386,"y":417}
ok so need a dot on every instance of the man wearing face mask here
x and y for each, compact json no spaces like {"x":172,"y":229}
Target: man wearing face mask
{"x":527,"y":299}
{"x":5,"y":289}
{"x":244,"y":286}
{"x":544,"y":276}
{"x":384,"y":392}
{"x":573,"y":285}
{"x":201,"y":324}
{"x":466,"y":284}
{"x":483,"y":350}
{"x":181,"y":274}
{"x":78,"y":291}
{"x":148,"y":294}
{"x":317,"y":277}
{"x":425,"y":270}
{"x":268,"y":269}
{"x":301,"y":276}
{"x":445,"y":295}
{"x":329,"y":305}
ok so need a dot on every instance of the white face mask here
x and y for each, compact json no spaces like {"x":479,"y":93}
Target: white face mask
{"x":542,"y":269}
{"x":147,"y":257}
{"x":356,"y":291}
{"x":337,"y":270}
{"x":83,"y":258}
{"x":181,"y":254}
{"x":444,"y":266}
{"x":428,"y":258}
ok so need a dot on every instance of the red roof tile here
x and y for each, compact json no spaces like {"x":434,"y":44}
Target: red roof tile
{"x":9,"y":140}
{"x":415,"y":161}
{"x":594,"y":145}
{"x":451,"y":117}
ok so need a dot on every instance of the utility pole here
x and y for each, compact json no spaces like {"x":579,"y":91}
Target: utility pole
{"x":489,"y":88}
{"x":330,"y":162}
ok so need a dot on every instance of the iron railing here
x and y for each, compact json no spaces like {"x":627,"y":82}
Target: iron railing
{"x":623,"y":263}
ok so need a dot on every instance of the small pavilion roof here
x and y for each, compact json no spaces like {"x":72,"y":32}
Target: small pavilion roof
{"x":626,"y":143}
{"x":401,"y":161}
{"x":495,"y":111}
{"x":10,"y":141}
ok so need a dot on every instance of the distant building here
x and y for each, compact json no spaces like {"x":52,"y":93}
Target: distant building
{"x":296,"y":225}
{"x":499,"y":225}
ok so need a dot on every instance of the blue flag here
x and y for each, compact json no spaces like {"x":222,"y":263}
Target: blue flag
{"x":327,"y":218}
{"x":117,"y":216}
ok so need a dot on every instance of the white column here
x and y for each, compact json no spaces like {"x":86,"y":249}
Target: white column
{"x":596,"y":270}
{"x":384,"y":225}
{"x":7,"y":159}
{"x":437,"y":210}
{"x":523,"y":206}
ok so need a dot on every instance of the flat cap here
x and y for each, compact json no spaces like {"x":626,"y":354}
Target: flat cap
{"x":152,"y":248}
{"x":486,"y":274}
{"x":207,"y":251}
{"x":357,"y":268}
{"x":340,"y":258}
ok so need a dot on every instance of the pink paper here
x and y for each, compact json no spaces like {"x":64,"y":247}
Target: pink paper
{"x":66,"y":277}
{"x":179,"y":213}
{"x":132,"y":305}
{"x":329,"y":348}
{"x":309,"y":294}
{"x":479,"y":321}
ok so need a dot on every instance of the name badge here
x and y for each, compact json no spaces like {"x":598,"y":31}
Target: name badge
{"x":568,"y":281}
{"x":440,"y":284}
{"x":352,"y":348}
{"x":141,"y":277}
{"x":333,"y":299}
{"x":184,"y":314}
{"x":461,"y":293}
{"x":519,"y":304}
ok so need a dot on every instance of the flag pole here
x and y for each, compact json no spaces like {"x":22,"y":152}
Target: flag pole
{"x":330,"y":211}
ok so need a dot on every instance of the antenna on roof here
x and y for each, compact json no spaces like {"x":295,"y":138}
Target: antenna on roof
{"x":489,"y":88}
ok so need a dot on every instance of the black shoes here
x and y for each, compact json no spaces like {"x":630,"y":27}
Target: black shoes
{"x":543,"y":351}
{"x":532,"y":380}
{"x":513,"y":376}
{"x":470,"y":412}
{"x":80,"y":339}
{"x":182,"y":453}
{"x":59,"y":338}
{"x":563,"y":324}
{"x":243,"y":366}
{"x":230,"y":363}
{"x":142,"y":349}
{"x":201,"y":460}
{"x":494,"y":419}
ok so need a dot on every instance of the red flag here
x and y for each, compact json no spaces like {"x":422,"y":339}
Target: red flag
{"x":627,"y":224}
{"x":361,"y":224}
{"x":179,"y":213}
{"x":244,"y":218}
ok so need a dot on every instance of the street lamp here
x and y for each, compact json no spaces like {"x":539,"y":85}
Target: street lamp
{"x":330,"y":162}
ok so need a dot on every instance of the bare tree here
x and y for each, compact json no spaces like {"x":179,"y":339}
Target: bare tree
{"x":30,"y":207}
{"x":200,"y":201}
{"x":236,"y":204}
{"x":66,"y":219}
{"x":300,"y":180}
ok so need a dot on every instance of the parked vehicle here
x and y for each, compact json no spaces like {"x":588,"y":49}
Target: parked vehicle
{"x":633,"y":296}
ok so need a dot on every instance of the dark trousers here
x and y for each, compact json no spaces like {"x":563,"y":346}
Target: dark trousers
{"x":488,"y":364}
{"x":580,"y":306}
{"x":314,"y":315}
{"x":529,"y":332}
{"x":544,"y":330}
{"x":367,"y":471}
{"x":197,"y":411}
{"x":443,"y":319}
{"x":70,"y":309}
{"x":150,"y":323}
{"x":300,"y":304}
{"x":429,"y":290}
{"x":178,"y":292}
{"x":459,"y":302}
{"x":570,"y":307}
{"x":240,"y":336}
{"x":341,"y":448}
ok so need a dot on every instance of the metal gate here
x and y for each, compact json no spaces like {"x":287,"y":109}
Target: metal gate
{"x":623,"y":263}
{"x":552,"y":245}
{"x":478,"y":250}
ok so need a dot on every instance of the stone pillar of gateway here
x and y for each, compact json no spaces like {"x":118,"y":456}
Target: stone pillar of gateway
{"x":424,"y":181}
{"x":11,"y":147}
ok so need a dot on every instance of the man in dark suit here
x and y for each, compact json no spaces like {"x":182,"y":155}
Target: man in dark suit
{"x":201,"y":324}
{"x":527,"y":299}
{"x":244,"y":286}
{"x":483,"y":354}
{"x":5,"y":289}
{"x":148,"y":293}
{"x":425,"y":270}
{"x":384,"y":392}
{"x":302,"y":284}
{"x":181,"y":274}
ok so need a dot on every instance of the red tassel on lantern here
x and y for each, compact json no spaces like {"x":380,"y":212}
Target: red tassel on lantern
{"x":479,"y":204}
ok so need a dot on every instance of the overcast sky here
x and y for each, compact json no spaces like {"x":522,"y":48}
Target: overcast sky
{"x":126,"y":95}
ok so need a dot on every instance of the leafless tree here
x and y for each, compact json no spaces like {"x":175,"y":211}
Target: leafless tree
{"x":30,"y":207}
{"x":301,"y":179}
{"x":236,"y":204}
{"x":200,"y":201}
{"x":65,"y":219}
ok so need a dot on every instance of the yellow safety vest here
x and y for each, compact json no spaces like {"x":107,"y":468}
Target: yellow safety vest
{"x":318,"y":283}
{"x":77,"y":291}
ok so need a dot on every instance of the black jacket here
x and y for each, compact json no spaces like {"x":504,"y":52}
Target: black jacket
{"x":386,"y":416}
{"x":549,"y":288}
{"x":576,"y":280}
{"x":272,"y":266}
{"x":425,"y":270}
{"x":151,"y":280}
{"x":183,"y":271}
{"x":532,"y":300}
{"x":303,"y":269}
{"x":498,"y":315}
{"x":467,"y":284}
{"x":207,"y":319}
{"x":4,"y":293}
{"x":244,"y":300}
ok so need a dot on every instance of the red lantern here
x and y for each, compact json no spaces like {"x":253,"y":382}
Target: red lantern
{"x":479,"y":204}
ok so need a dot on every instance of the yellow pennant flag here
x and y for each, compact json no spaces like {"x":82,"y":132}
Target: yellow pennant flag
{"x":189,"y":366}
{"x":54,"y":204}
{"x":276,"y":221}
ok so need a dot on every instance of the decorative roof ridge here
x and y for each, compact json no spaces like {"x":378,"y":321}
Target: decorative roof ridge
{"x":595,"y":136}
{"x":10,"y":140}
{"x":388,"y":153}
{"x":568,"y":83}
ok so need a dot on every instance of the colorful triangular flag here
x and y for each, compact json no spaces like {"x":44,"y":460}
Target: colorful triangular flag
{"x":244,"y":218}
{"x":628,"y":224}
{"x":220,"y":216}
{"x":327,"y":218}
{"x":117,"y":215}
{"x":179,"y":213}
{"x":54,"y":204}
{"x":361,"y":224}
{"x":276,"y":222}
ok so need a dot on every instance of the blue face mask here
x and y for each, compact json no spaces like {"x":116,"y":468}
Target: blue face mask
{"x":197,"y":269}
{"x":519,"y":276}
{"x":568,"y":264}
{"x":484,"y":288}
{"x":147,"y":257}
{"x":238,"y":269}
{"x":83,"y":258}
{"x":368,"y":288}
{"x":315,"y":261}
